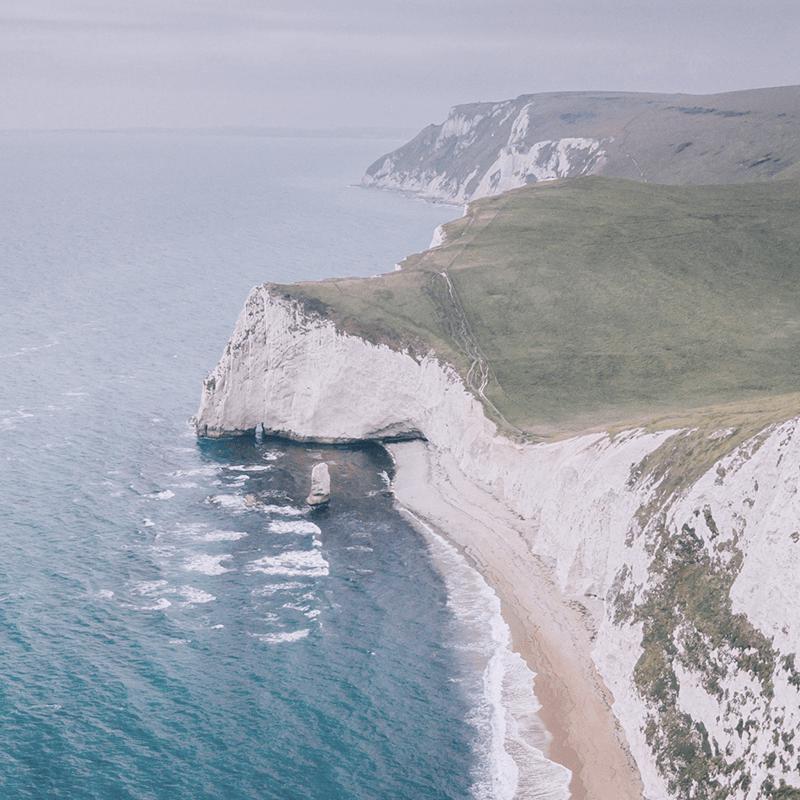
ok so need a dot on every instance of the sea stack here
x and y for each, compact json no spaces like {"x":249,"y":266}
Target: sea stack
{"x":320,"y":494}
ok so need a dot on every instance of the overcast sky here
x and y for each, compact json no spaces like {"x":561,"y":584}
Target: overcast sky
{"x":394,"y":63}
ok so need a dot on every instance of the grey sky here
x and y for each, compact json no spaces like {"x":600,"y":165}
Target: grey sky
{"x":324,"y":63}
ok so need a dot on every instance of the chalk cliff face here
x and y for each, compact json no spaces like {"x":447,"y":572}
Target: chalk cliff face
{"x":691,"y":569}
{"x":511,"y":154}
{"x":488,"y":148}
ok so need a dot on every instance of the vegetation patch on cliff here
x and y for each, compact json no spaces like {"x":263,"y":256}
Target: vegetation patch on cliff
{"x":689,"y":627}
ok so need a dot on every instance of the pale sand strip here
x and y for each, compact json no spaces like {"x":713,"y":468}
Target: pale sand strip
{"x":549,"y":632}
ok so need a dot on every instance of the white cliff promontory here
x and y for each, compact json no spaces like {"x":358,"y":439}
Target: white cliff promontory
{"x":689,"y":571}
{"x":487,"y":148}
{"x":517,"y":157}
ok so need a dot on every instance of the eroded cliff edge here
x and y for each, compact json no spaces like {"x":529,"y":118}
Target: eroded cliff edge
{"x":483,"y":149}
{"x":682,"y":543}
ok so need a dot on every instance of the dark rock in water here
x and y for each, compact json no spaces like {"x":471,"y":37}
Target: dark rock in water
{"x":320,"y":493}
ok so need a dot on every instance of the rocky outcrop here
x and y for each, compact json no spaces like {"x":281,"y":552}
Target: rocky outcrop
{"x":320,"y":494}
{"x":488,"y":148}
{"x":683,"y":545}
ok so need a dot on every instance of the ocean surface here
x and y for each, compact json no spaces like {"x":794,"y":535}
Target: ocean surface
{"x":174,"y":623}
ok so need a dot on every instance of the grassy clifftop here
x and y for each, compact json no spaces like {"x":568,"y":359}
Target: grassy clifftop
{"x":598,"y":302}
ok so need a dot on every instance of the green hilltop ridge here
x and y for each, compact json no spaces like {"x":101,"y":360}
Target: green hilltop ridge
{"x":598,"y":303}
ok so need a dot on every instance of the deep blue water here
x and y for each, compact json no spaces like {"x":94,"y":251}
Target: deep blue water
{"x":159,"y":636}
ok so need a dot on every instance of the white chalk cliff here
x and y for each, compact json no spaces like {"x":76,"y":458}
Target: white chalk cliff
{"x":487,"y":148}
{"x":518,"y":157}
{"x":693,"y":582}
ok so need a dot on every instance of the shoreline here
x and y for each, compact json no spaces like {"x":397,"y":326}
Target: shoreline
{"x":552,"y":634}
{"x":517,"y":766}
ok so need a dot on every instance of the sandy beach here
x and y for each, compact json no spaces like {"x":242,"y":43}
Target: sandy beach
{"x":552,"y":634}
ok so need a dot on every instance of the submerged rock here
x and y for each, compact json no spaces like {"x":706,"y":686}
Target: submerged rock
{"x":320,"y":493}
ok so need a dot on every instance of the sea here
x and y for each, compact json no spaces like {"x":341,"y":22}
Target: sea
{"x":175,"y":623}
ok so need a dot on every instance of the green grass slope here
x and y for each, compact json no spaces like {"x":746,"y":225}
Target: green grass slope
{"x":598,"y":302}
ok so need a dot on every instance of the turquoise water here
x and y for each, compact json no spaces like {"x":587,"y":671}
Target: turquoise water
{"x":160,"y":637}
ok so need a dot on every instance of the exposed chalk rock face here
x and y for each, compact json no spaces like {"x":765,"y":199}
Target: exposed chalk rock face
{"x":690,"y":573}
{"x":439,"y":237}
{"x":522,"y":159}
{"x":320,"y":493}
{"x":519,"y":164}
{"x":483,"y":149}
{"x":300,"y":377}
{"x":488,"y":148}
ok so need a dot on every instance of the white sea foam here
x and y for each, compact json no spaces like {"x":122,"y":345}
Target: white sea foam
{"x":236,"y":503}
{"x":286,"y":511}
{"x":207,"y":564}
{"x":250,"y":468}
{"x":269,"y":589}
{"x":230,"y":502}
{"x":159,"y":605}
{"x":188,"y":595}
{"x":513,"y":738}
{"x":295,"y":607}
{"x":208,"y":471}
{"x":294,"y":526}
{"x":285,"y":636}
{"x":190,"y":528}
{"x":165,"y":494}
{"x":193,"y":596}
{"x":223,"y":536}
{"x":292,"y":563}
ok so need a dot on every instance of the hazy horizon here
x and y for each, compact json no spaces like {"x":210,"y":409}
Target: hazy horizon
{"x":188,"y":64}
